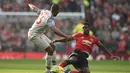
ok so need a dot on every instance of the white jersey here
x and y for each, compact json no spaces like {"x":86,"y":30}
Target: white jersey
{"x":42,"y":23}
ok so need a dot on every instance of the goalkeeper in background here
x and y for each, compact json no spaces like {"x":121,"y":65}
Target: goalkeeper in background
{"x":83,"y":48}
{"x":36,"y":34}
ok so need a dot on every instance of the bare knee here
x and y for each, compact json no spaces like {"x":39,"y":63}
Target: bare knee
{"x":85,"y":70}
{"x":53,"y":46}
{"x":49,"y":50}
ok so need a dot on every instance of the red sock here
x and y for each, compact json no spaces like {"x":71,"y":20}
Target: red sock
{"x":62,"y":64}
{"x":74,"y":71}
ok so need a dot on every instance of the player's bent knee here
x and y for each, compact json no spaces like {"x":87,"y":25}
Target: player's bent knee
{"x":49,"y":50}
{"x":73,"y":59}
{"x":68,"y":62}
{"x":82,"y":71}
{"x":85,"y":70}
{"x":53,"y":46}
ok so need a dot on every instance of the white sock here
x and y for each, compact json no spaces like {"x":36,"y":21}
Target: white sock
{"x":48,"y":61}
{"x":54,"y":58}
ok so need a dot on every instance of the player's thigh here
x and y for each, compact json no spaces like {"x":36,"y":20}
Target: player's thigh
{"x":81,"y":62}
{"x":85,"y":70}
{"x":46,"y":38}
{"x":49,"y":41}
{"x":40,"y":41}
{"x":73,"y":59}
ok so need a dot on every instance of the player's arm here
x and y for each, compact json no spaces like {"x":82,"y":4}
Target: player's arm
{"x":106,"y":50}
{"x":57,"y":31}
{"x":52,"y":26}
{"x":69,"y":38}
{"x":34,"y":8}
{"x":66,"y":39}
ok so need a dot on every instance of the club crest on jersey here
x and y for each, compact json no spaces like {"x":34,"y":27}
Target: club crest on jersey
{"x":87,"y":42}
{"x":91,"y":39}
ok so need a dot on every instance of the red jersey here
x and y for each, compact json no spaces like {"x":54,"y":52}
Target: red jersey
{"x":85,"y":43}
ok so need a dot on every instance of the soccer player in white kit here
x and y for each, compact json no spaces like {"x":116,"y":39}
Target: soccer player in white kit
{"x":36,"y":34}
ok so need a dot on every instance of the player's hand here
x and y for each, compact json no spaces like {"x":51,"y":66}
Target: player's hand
{"x":68,"y":37}
{"x":115,"y":58}
{"x":34,"y":8}
{"x":53,"y":41}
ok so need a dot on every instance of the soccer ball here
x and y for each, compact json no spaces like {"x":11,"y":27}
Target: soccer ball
{"x":57,"y":69}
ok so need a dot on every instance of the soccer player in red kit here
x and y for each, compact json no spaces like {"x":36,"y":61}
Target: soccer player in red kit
{"x":83,"y":48}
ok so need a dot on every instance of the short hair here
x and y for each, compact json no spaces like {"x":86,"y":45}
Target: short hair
{"x":55,"y":7}
{"x":86,"y":23}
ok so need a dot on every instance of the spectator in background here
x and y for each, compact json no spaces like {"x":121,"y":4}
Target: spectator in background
{"x":6,"y":35}
{"x":78,"y":27}
{"x":99,"y":33}
{"x":107,"y":37}
{"x":107,"y":9}
{"x":16,"y":6}
{"x":128,"y":45}
{"x":98,"y":20}
{"x":14,"y":42}
{"x":121,"y":46}
{"x":25,"y":6}
{"x":55,"y":1}
{"x":86,"y":4}
{"x":115,"y":34}
{"x":122,"y":42}
{"x":73,"y":6}
{"x":23,"y":35}
{"x":6,"y":5}
{"x":64,"y":5}
{"x":115,"y":17}
{"x":106,"y":22}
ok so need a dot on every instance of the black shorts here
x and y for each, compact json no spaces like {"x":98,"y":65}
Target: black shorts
{"x":81,"y":59}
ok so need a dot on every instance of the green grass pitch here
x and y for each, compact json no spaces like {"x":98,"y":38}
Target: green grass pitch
{"x":38,"y":66}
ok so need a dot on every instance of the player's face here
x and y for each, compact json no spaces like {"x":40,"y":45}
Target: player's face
{"x":55,"y":13}
{"x":86,"y":29}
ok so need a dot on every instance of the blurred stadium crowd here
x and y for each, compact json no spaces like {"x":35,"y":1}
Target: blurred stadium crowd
{"x":108,"y":19}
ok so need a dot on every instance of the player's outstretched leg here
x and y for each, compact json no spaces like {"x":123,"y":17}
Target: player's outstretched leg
{"x":54,"y":58}
{"x":71,"y":71}
{"x":84,"y":70}
{"x":71,"y":60}
{"x":54,"y":54}
{"x":49,"y":51}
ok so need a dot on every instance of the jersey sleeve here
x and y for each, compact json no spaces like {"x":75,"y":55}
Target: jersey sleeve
{"x":51,"y":22}
{"x":76,"y":35}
